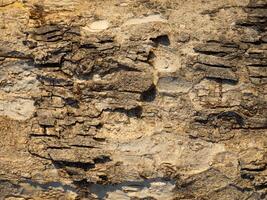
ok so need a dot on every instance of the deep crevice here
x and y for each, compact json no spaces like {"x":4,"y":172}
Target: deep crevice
{"x":149,"y":95}
{"x":81,"y":165}
{"x":71,"y":102}
{"x":102,"y":159}
{"x":135,"y":112}
{"x":224,"y":80}
{"x":162,"y":39}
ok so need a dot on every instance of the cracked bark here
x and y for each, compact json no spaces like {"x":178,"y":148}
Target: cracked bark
{"x":151,"y":99}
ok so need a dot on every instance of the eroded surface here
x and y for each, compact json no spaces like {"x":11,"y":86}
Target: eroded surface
{"x":147,"y":99}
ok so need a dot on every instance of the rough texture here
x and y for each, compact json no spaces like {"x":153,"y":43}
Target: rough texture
{"x":144,"y":99}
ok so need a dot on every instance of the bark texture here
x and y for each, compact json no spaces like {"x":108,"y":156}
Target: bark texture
{"x":131,"y":100}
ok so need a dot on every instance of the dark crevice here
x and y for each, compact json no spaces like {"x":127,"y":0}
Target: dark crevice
{"x":151,"y":56}
{"x":260,"y":76}
{"x":58,"y":147}
{"x":260,"y":169}
{"x":44,"y":126}
{"x":81,"y":165}
{"x":54,"y":38}
{"x":162,"y":39}
{"x":82,"y":183}
{"x":257,"y":23}
{"x":106,"y":41}
{"x":224,"y":80}
{"x":261,"y":187}
{"x":149,"y":95}
{"x":135,"y":112}
{"x":251,"y":128}
{"x":88,"y":46}
{"x":257,"y":65}
{"x":245,"y":189}
{"x":85,"y":146}
{"x":213,"y":53}
{"x":258,"y":42}
{"x":102,"y":159}
{"x":99,"y":126}
{"x":37,"y":155}
{"x":99,"y":139}
{"x":48,"y":29}
{"x":71,"y":102}
{"x":232,"y":115}
{"x":225,"y":116}
{"x":217,"y":48}
{"x":103,"y":178}
{"x":29,"y":44}
{"x":49,"y":65}
{"x":247,"y":176}
{"x":83,"y":188}
{"x":215,"y":65}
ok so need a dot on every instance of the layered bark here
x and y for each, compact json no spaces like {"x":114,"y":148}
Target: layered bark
{"x":147,"y":99}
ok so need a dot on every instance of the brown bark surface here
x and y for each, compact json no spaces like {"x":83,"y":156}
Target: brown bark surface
{"x":133,"y":99}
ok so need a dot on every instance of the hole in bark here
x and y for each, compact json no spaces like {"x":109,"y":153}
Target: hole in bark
{"x":247,"y":176}
{"x":80,"y":165}
{"x":99,"y":126}
{"x":162,"y":39}
{"x":135,"y":112}
{"x":224,"y":80}
{"x":149,"y":95}
{"x":103,"y":177}
{"x":102,"y":159}
{"x":99,"y":139}
{"x":151,"y":56}
{"x":72,"y":102}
